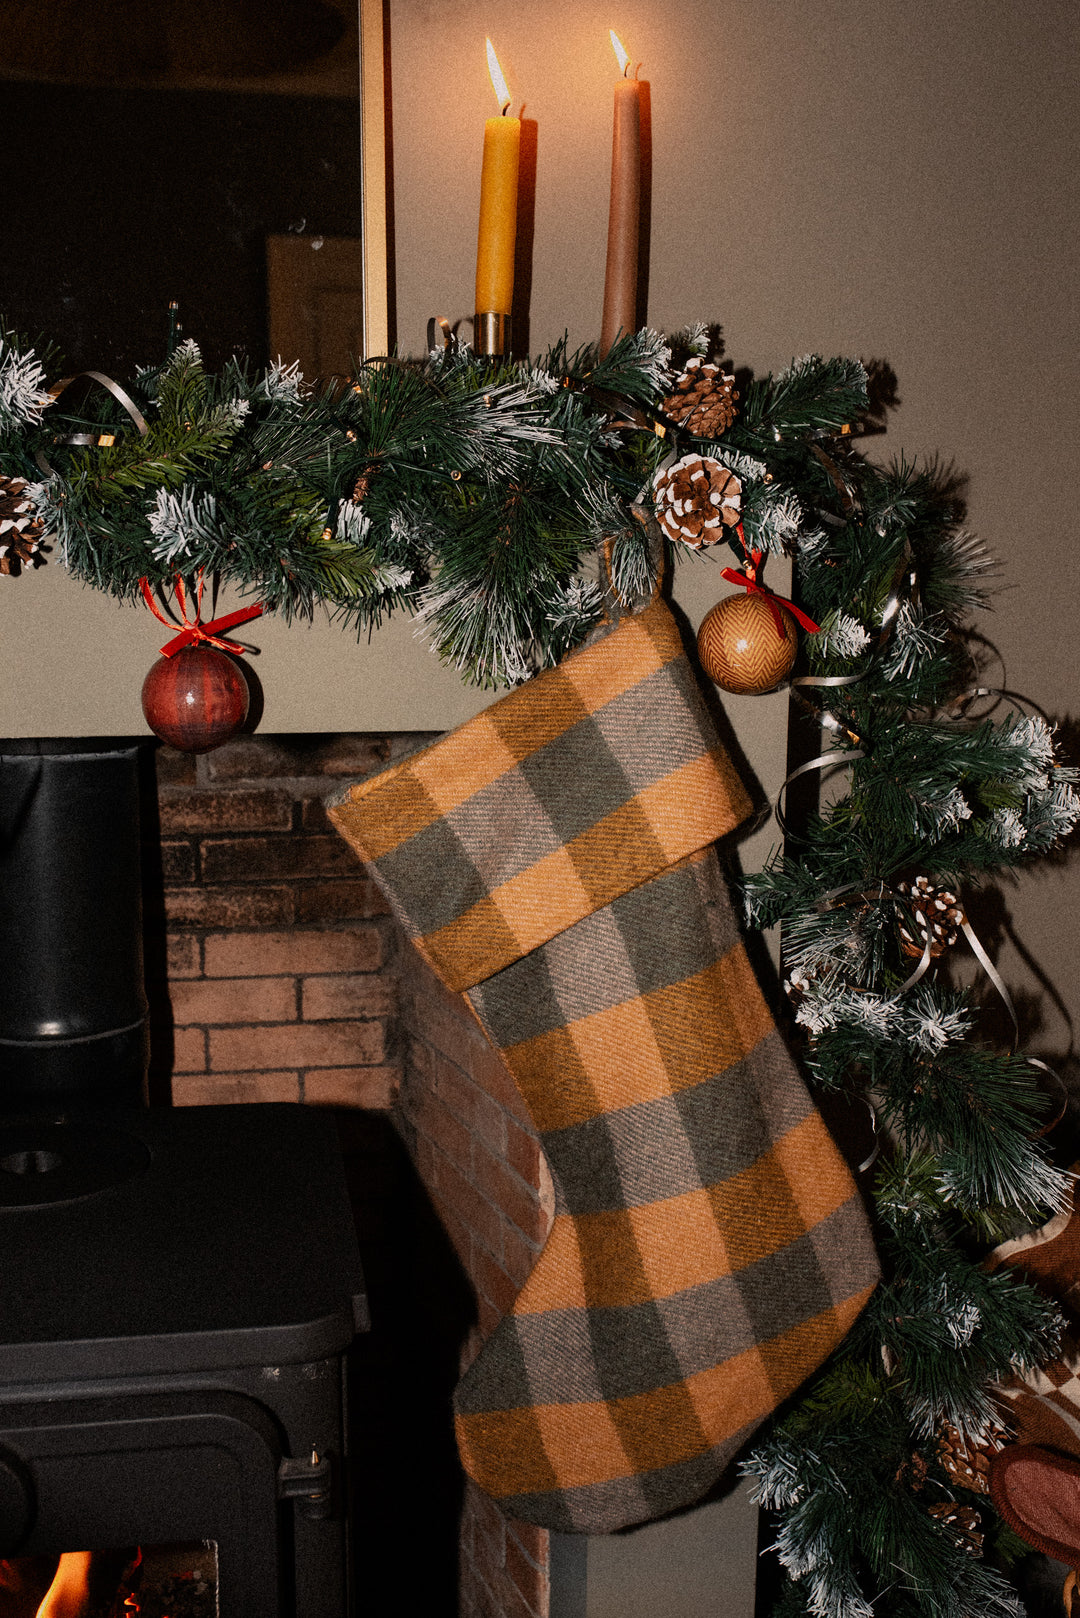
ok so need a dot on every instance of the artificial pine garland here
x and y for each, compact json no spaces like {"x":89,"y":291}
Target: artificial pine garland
{"x":472,"y":494}
{"x":479,"y":495}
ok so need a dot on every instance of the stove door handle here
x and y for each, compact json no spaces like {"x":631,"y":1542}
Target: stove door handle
{"x":309,"y":1482}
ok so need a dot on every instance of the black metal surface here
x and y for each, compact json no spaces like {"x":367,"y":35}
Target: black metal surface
{"x":42,"y":1164}
{"x":233,"y":1246}
{"x":16,"y":1503}
{"x":169,"y":1466}
{"x":72,"y":1004}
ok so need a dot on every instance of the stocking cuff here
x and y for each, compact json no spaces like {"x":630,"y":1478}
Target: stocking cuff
{"x":572,"y":790}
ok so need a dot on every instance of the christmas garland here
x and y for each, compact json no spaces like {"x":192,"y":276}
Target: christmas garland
{"x":480,"y":496}
{"x":474,"y":495}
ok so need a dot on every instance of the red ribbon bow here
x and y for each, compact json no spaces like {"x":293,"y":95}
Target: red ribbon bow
{"x":749,"y":582}
{"x":194,"y":631}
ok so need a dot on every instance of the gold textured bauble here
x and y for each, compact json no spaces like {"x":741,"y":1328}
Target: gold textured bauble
{"x":739,"y":646}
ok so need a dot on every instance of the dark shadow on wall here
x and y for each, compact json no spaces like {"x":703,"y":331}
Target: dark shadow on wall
{"x":155,"y":941}
{"x":406,"y":1480}
{"x":526,"y":234}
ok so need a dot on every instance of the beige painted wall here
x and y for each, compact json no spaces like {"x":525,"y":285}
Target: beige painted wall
{"x":895,"y":180}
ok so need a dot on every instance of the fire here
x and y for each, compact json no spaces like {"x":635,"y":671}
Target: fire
{"x":68,"y":1596}
{"x":498,"y":83}
{"x":71,"y":1585}
{"x":622,"y":55}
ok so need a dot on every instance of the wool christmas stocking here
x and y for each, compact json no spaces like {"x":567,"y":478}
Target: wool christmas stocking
{"x":551,"y":858}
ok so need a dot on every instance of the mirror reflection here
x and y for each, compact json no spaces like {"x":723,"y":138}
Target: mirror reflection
{"x":202,"y":152}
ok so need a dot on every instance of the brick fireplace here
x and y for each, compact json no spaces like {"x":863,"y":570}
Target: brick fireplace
{"x":276,"y":974}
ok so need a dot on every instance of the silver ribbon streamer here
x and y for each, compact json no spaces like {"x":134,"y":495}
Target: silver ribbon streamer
{"x":984,"y":961}
{"x":95,"y":439}
{"x":839,"y":755}
{"x":875,"y":1152}
{"x":920,"y":970}
{"x":992,"y":973}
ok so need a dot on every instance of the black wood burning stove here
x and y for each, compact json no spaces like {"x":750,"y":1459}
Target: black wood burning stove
{"x":177,"y":1288}
{"x":171,"y":1346}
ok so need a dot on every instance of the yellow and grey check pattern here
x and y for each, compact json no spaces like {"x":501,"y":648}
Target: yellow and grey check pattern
{"x":551,"y":857}
{"x":540,"y":810}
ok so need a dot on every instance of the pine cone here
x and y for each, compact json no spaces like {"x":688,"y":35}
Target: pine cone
{"x":914,"y":1472}
{"x":962,"y":1523}
{"x":362,"y":486}
{"x":21,"y":532}
{"x":696,"y":499}
{"x":703,"y":400}
{"x":937,"y":915}
{"x":967,"y":1466}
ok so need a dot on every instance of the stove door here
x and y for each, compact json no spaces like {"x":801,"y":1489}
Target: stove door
{"x":98,"y":1473}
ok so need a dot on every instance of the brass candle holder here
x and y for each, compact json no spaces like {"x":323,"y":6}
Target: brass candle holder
{"x":491,"y":333}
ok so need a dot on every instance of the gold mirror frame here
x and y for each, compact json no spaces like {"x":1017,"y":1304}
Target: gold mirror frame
{"x":374,"y":180}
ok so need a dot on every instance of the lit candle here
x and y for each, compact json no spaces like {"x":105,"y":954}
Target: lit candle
{"x":620,"y":278}
{"x":497,"y":238}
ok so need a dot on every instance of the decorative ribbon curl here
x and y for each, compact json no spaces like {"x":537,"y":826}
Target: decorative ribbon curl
{"x":748,"y":579}
{"x":102,"y":440}
{"x":194,"y":631}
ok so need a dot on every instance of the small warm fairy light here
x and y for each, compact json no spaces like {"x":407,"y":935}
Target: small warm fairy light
{"x":622,"y":55}
{"x":498,"y":83}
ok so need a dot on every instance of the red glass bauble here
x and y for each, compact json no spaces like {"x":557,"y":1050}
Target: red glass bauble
{"x":740,"y":646}
{"x":196,"y":699}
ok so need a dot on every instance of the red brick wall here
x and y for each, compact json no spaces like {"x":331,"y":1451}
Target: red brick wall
{"x":284,"y":978}
{"x":279,"y":946}
{"x":479,"y":1157}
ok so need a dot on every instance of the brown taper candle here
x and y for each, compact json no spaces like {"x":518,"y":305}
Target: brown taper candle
{"x":620,"y":279}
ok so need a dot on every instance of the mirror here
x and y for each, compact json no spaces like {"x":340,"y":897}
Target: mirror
{"x":202,"y":152}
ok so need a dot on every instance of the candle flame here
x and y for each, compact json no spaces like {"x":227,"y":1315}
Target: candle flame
{"x":621,"y":53}
{"x":498,"y":83}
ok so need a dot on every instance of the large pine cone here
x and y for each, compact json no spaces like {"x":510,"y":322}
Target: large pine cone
{"x":703,"y":400}
{"x":21,"y":532}
{"x":968,"y":1465}
{"x":696,"y":499}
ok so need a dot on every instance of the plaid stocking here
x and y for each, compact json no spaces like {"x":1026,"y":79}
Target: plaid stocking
{"x":552,"y":858}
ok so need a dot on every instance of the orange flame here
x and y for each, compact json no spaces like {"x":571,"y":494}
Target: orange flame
{"x":498,"y":83}
{"x":622,"y":55}
{"x":68,"y":1596}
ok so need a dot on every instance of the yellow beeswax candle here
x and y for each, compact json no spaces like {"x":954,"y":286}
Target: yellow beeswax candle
{"x":497,"y":236}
